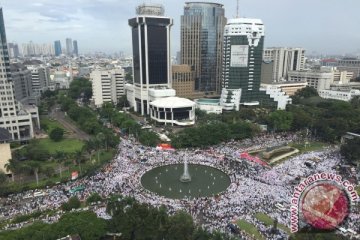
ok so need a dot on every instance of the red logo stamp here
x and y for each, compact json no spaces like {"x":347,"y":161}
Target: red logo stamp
{"x":324,"y":206}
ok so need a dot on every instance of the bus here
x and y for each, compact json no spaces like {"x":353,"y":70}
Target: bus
{"x":77,"y":189}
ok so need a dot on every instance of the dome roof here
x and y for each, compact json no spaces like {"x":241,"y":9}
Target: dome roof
{"x":172,"y":102}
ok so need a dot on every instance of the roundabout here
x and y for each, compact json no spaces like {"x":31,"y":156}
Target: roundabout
{"x":167,"y":181}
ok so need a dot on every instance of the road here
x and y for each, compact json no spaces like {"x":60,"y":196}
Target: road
{"x":73,"y":130}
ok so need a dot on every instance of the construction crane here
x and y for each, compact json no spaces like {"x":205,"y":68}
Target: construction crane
{"x":237,"y":9}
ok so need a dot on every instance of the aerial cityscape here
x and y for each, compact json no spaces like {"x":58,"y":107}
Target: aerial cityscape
{"x":179,"y":120}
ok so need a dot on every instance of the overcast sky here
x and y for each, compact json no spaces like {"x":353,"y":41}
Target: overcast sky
{"x":322,"y":26}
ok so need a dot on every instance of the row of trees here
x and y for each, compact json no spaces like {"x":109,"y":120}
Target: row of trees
{"x":132,"y":219}
{"x":127,"y":125}
{"x":213,"y":133}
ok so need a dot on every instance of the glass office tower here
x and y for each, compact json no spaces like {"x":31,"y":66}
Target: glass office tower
{"x":151,"y":52}
{"x":202,"y":31}
{"x":58,"y":50}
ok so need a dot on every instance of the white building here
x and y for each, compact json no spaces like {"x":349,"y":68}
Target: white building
{"x":322,"y":78}
{"x":278,"y":95}
{"x":284,"y":60}
{"x":209,"y":105}
{"x":108,"y":85}
{"x":18,"y":120}
{"x":230,"y":99}
{"x":40,"y":79}
{"x":173,"y":110}
{"x":339,"y":95}
{"x":316,"y":79}
{"x":151,"y":57}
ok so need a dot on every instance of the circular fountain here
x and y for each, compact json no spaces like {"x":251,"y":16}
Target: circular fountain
{"x":179,"y":181}
{"x":185,"y":177}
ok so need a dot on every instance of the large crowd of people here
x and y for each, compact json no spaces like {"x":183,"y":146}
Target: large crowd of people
{"x":254,"y":188}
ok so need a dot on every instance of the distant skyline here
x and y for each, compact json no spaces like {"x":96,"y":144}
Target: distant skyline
{"x":327,"y":27}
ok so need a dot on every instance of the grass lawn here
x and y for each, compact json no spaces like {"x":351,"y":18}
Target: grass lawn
{"x":50,"y":123}
{"x":268,"y":221}
{"x":250,"y":229}
{"x":67,"y":145}
{"x":358,"y":190}
{"x":312,"y":146}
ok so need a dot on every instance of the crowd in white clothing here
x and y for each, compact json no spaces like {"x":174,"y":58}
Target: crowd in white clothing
{"x":253,"y":189}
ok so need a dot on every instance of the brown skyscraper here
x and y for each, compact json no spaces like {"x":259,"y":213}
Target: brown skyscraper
{"x":202,"y":31}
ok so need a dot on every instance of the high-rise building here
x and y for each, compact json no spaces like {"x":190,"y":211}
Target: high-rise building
{"x":21,"y":77}
{"x":69,"y":47}
{"x":350,"y":65}
{"x":75,"y":48}
{"x":183,"y":80}
{"x":243,"y":46}
{"x":243,"y":50}
{"x":151,"y":55}
{"x":57,"y":45}
{"x":14,"y":117}
{"x":13,"y":50}
{"x":202,"y":31}
{"x":108,"y":85}
{"x":284,"y":60}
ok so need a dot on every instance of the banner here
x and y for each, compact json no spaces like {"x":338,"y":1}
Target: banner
{"x":239,"y":56}
{"x":74,"y":175}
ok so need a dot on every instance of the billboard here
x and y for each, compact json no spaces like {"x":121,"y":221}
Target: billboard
{"x":239,"y":56}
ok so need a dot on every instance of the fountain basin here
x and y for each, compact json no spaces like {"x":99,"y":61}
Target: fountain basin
{"x":205,"y":181}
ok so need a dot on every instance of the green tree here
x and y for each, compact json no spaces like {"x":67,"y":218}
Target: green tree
{"x":181,"y":226}
{"x":280,"y":120}
{"x":57,"y":134}
{"x":36,"y":152}
{"x":35,"y":168}
{"x":86,"y":224}
{"x":60,"y":157}
{"x":3,"y":178}
{"x":351,"y":150}
{"x":148,"y":138}
{"x":13,"y":167}
{"x":123,"y":102}
{"x":94,"y":197}
{"x":73,"y":203}
{"x":304,"y":93}
{"x":129,"y":77}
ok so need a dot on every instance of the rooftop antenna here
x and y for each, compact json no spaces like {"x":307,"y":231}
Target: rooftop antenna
{"x":237,"y":9}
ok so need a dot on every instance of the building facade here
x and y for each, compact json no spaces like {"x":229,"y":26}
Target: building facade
{"x":57,"y":46}
{"x":108,"y":85}
{"x":13,"y":50}
{"x":40,"y":79}
{"x":284,"y":60}
{"x":151,"y":54}
{"x":202,"y":29}
{"x":183,"y":80}
{"x":21,"y":77}
{"x":18,"y":120}
{"x":339,"y":95}
{"x":350,"y":65}
{"x":316,"y":79}
{"x":289,"y":88}
{"x":69,"y":46}
{"x":173,"y":110}
{"x":75,"y":48}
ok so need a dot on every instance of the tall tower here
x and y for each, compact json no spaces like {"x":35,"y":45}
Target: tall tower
{"x":285,"y":60}
{"x":13,"y":117}
{"x":243,"y":48}
{"x":57,"y":46}
{"x":202,"y":29}
{"x":75,"y":48}
{"x":151,"y":53}
{"x":69,"y":46}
